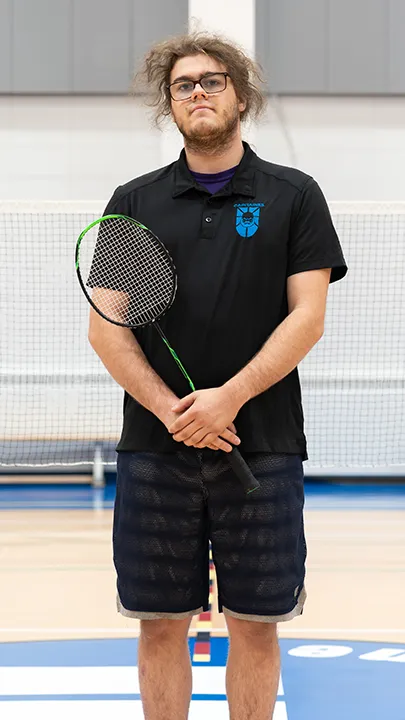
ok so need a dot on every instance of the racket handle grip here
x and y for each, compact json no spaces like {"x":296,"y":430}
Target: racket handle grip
{"x":243,"y":471}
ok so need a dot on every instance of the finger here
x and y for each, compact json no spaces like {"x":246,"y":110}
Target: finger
{"x":222,"y":445}
{"x":182,"y":422}
{"x":214,"y":444}
{"x":197,"y":440}
{"x":184,"y":403}
{"x":232,"y":428}
{"x":206,"y":441}
{"x":230,"y":437}
{"x":218,"y":442}
{"x":188,"y":432}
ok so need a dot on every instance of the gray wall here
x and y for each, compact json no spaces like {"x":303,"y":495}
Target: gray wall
{"x":332,"y":46}
{"x":80,"y":46}
{"x":305,"y":46}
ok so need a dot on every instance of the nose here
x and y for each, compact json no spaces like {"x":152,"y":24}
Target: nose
{"x":198,"y":92}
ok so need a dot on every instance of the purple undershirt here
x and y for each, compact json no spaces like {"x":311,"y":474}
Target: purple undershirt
{"x":214,"y":181}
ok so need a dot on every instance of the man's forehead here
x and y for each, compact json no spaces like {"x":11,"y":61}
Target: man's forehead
{"x":194,"y":66}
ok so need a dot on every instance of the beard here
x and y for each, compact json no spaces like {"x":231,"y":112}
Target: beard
{"x":210,"y":139}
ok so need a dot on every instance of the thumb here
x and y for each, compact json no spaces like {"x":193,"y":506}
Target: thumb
{"x":184,"y":403}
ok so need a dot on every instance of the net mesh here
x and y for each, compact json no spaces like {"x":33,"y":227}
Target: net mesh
{"x":58,"y":402}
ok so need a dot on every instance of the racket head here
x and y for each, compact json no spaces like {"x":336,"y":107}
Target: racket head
{"x":125,"y":271}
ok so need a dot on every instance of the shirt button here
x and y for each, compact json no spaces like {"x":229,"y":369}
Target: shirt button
{"x":208,"y":219}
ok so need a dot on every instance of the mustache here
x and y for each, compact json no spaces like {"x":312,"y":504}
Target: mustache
{"x":198,"y":106}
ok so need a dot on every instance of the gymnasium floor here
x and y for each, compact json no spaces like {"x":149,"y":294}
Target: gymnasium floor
{"x":64,"y":651}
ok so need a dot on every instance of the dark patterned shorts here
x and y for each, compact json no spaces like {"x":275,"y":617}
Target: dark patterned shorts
{"x":170,"y":506}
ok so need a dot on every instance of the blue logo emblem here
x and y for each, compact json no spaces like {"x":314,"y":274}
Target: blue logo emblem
{"x":247,"y":218}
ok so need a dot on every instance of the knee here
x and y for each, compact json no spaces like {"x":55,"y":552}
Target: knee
{"x":256,"y":634}
{"x":163,"y":630}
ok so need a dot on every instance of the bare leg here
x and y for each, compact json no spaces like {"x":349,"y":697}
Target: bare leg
{"x":253,"y":669}
{"x":164,"y":667}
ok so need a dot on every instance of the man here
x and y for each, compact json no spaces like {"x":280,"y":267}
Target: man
{"x":255,"y":251}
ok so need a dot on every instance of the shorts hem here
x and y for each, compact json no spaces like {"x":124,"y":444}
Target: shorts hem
{"x":296,"y":611}
{"x":142,"y":615}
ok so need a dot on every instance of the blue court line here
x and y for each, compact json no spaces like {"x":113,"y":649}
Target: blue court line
{"x":59,"y":698}
{"x":54,"y":497}
{"x":318,"y":496}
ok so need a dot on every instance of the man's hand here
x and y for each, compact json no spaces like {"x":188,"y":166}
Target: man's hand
{"x":206,"y":419}
{"x":168,"y":417}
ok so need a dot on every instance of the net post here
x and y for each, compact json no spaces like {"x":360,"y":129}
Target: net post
{"x":98,"y":479}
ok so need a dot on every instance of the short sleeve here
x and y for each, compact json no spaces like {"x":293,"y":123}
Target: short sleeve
{"x":313,"y":242}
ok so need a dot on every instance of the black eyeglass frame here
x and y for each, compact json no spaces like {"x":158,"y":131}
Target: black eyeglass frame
{"x":198,"y":82}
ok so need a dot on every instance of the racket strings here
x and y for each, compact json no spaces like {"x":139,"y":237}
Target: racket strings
{"x":142,"y":270}
{"x":131,"y":275}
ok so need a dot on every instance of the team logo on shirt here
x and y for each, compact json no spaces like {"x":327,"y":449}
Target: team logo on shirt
{"x":247,"y":218}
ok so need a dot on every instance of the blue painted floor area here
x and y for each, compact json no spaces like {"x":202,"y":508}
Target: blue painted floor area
{"x":328,"y":681}
{"x":319,"y":496}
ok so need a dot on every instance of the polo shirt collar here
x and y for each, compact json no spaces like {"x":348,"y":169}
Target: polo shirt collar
{"x":242,"y":182}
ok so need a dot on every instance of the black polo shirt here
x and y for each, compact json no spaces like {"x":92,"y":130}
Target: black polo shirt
{"x":233,"y":252}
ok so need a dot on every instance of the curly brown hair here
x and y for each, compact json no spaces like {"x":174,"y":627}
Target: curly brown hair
{"x":154,"y":75}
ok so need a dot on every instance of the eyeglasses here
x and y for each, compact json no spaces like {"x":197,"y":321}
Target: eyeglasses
{"x":211,"y":84}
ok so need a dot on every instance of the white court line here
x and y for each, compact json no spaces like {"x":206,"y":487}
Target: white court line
{"x":39,"y":535}
{"x":353,"y":536}
{"x":326,"y":568}
{"x":105,"y":710}
{"x":215,"y":631}
{"x":105,"y":535}
{"x":99,"y":680}
{"x":316,"y":520}
{"x":56,"y":568}
{"x":7,"y":506}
